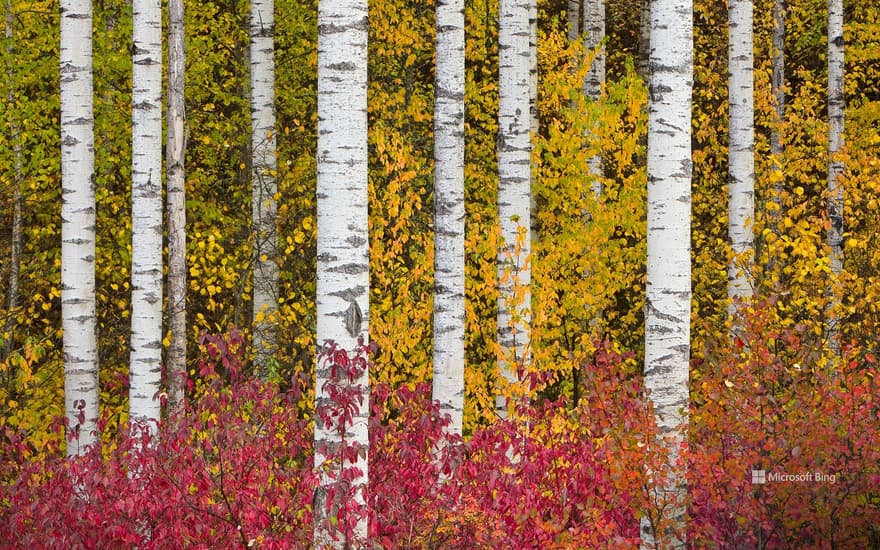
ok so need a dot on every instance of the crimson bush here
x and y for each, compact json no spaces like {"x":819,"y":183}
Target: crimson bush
{"x":236,"y":469}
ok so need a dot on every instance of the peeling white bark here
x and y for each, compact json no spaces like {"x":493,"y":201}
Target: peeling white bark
{"x":449,"y":213}
{"x":78,"y":225}
{"x":514,"y":189}
{"x":667,"y":309}
{"x":342,"y":244}
{"x":146,"y":203}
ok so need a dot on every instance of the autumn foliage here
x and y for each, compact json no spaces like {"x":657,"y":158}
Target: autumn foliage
{"x":569,"y":469}
{"x":237,"y":468}
{"x":769,"y":400}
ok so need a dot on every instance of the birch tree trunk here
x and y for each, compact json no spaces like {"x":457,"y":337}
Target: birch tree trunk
{"x":836,"y":105}
{"x":16,"y":229}
{"x":514,"y":190}
{"x":78,"y":225}
{"x":594,"y":28}
{"x":449,"y":213}
{"x":534,"y":121}
{"x":644,"y":61}
{"x":146,"y":202}
{"x":342,"y":244}
{"x":741,"y":165}
{"x":778,"y":74}
{"x":176,"y":203}
{"x":667,"y":308}
{"x":264,"y":186}
{"x":777,"y":84}
{"x":573,"y":16}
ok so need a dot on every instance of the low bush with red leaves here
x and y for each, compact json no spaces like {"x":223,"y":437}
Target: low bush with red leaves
{"x":236,"y":468}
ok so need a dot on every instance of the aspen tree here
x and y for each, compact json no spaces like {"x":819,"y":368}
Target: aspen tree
{"x":449,"y":214}
{"x":146,"y":226}
{"x":78,"y":225}
{"x":343,"y":279}
{"x":668,"y":300}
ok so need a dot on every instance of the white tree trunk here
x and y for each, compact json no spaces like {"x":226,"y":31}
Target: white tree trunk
{"x":449,"y":214}
{"x":78,"y":224}
{"x":16,"y":230}
{"x":836,"y":105}
{"x":264,"y":186}
{"x":342,"y":244}
{"x":176,"y":203}
{"x":534,"y":121}
{"x":573,"y":17}
{"x":594,"y":28}
{"x":741,"y":165}
{"x":146,"y":202}
{"x":514,"y":189}
{"x":777,"y":83}
{"x":778,"y":75}
{"x":667,"y":309}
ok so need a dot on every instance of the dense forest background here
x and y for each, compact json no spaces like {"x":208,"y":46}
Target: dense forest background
{"x":401,"y":107}
{"x":573,"y":315}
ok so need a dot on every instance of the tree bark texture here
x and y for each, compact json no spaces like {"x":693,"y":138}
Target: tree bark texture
{"x":741,"y":164}
{"x":146,"y":201}
{"x":836,"y":106}
{"x":264,"y":185}
{"x":175,"y":196}
{"x":667,"y":308}
{"x":343,"y":277}
{"x":12,"y":291}
{"x":514,"y":190}
{"x":594,"y":29}
{"x":449,"y":213}
{"x":78,"y":225}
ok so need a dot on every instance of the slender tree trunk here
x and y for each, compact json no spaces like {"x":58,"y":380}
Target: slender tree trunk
{"x":741,"y":186}
{"x":667,"y":308}
{"x":264,"y":186}
{"x":573,"y":16}
{"x":644,"y":62}
{"x":514,"y":190}
{"x":175,"y":366}
{"x":449,"y":214}
{"x":16,"y":229}
{"x":534,"y":120}
{"x":146,"y":202}
{"x":594,"y":29}
{"x":777,"y":84}
{"x":778,"y":75}
{"x":78,"y":225}
{"x":836,"y":106}
{"x":342,"y":247}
